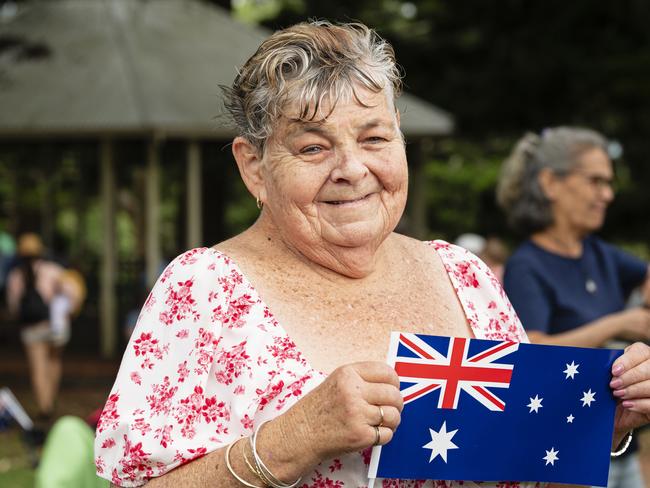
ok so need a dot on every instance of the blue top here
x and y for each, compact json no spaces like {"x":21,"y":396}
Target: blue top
{"x":549,"y":291}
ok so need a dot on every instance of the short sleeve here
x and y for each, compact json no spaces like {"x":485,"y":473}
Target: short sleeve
{"x":486,"y":306}
{"x":527,"y":294}
{"x":185,"y":386}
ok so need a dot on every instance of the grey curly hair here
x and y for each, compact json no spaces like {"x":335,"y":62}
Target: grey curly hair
{"x":519,"y":192}
{"x":311,"y":63}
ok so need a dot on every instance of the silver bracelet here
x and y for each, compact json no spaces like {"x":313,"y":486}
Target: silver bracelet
{"x":232,"y":471}
{"x":267,"y":475}
{"x":626,"y":444}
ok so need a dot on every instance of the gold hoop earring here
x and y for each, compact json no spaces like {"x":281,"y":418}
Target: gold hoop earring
{"x":259,"y":203}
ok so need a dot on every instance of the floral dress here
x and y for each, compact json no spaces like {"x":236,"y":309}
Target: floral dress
{"x":208,"y":361}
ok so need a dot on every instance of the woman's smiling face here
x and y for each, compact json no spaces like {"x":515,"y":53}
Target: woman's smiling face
{"x":340,"y":181}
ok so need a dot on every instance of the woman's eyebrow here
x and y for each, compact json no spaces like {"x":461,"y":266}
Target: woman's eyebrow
{"x":298,"y":127}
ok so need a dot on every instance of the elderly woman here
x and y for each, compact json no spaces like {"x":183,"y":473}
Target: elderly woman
{"x":569,"y":287}
{"x":259,"y":362}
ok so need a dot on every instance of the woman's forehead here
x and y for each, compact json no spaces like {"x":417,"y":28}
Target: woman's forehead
{"x":594,"y":158}
{"x":370,"y":108}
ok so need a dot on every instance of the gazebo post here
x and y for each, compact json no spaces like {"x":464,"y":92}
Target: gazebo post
{"x":194,"y":195}
{"x":107,"y":302}
{"x":153,"y":255}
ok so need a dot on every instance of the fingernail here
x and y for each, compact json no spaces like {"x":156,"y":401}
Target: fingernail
{"x":619,"y":393}
{"x":628,"y":404}
{"x":616,"y":383}
{"x":617,"y":369}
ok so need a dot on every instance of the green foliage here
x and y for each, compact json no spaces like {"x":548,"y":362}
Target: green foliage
{"x":241,"y":210}
{"x":462,"y":185}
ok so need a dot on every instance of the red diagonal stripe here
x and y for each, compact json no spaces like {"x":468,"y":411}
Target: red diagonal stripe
{"x":417,"y":349}
{"x":420,"y":392}
{"x":491,"y":398}
{"x":489,"y":352}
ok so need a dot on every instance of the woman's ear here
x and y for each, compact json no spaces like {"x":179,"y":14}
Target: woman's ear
{"x":249,"y":162}
{"x":549,"y":182}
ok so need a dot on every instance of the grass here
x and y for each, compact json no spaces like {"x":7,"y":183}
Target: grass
{"x":15,"y":460}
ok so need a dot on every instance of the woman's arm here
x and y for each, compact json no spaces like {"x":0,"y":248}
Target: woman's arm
{"x":337,"y":417}
{"x":632,"y":325}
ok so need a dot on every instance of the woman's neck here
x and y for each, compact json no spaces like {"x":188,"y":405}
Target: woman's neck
{"x":331,"y":262}
{"x":560,"y":240}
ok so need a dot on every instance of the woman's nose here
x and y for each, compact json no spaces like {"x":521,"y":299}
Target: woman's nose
{"x":350,"y":166}
{"x":607,"y":193}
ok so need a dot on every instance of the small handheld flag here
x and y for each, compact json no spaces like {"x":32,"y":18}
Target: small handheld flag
{"x":493,"y":411}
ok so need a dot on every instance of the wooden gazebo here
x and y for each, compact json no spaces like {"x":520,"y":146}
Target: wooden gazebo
{"x":106,"y":70}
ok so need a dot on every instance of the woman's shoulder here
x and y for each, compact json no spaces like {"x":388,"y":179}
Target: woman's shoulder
{"x":201,"y":265}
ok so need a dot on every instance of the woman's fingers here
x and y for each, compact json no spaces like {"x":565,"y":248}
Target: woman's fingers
{"x":376,"y":372}
{"x":633,"y":391}
{"x":383,"y":394}
{"x":632,"y":367}
{"x":390,"y":419}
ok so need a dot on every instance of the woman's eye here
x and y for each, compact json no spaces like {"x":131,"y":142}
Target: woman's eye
{"x":375,"y":139}
{"x":311,"y":150}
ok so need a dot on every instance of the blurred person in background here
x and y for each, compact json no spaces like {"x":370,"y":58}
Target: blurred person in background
{"x":38,"y":291}
{"x":568,"y":286}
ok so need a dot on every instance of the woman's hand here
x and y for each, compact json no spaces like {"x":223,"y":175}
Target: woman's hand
{"x":337,"y":417}
{"x":633,"y":324}
{"x":631,"y":385}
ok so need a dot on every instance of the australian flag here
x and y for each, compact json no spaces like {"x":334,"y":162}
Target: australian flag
{"x":494,"y":411}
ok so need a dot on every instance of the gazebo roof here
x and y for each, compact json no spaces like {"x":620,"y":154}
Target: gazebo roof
{"x":130,"y":67}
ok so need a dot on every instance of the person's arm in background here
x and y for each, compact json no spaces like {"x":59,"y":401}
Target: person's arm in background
{"x":15,"y":287}
{"x":632,"y":325}
{"x":646,"y":290}
{"x":533,"y":304}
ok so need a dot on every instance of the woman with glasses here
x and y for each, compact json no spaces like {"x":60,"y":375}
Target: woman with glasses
{"x":568,"y":286}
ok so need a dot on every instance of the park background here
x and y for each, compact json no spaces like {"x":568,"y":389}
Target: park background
{"x":491,"y":70}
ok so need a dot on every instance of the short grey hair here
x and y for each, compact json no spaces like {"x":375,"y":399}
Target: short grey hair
{"x":519,"y":192}
{"x":311,"y":63}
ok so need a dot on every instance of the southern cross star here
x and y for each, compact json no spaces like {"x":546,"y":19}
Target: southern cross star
{"x":441,"y":442}
{"x":570,"y":419}
{"x":551,"y":457}
{"x":571,"y":370}
{"x":535,"y":404}
{"x":588,"y":397}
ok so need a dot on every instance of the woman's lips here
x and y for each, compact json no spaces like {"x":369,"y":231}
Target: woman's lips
{"x":344,"y":202}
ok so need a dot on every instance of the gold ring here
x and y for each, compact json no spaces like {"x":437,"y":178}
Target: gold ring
{"x":377,"y":435}
{"x":381,"y":417}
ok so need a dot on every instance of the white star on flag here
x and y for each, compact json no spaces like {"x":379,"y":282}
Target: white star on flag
{"x":570,"y":418}
{"x":571,"y":370}
{"x":441,"y":442}
{"x":551,"y":457}
{"x":535,"y":404}
{"x":588,"y":397}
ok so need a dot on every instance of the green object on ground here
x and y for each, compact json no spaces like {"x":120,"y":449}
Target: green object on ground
{"x":67,"y":460}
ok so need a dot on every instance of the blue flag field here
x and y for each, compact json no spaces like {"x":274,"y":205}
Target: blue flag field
{"x":494,"y":411}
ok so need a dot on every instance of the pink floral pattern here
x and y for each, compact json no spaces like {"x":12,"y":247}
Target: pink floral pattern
{"x":208,"y":362}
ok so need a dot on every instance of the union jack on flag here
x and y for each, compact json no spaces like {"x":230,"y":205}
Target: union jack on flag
{"x":499,"y":411}
{"x":454,"y":371}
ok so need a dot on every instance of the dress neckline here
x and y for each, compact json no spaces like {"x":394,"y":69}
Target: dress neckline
{"x":474,"y":329}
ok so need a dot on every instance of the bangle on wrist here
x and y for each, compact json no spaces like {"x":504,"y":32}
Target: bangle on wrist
{"x":232,"y":471}
{"x":264,"y":473}
{"x":626,"y":444}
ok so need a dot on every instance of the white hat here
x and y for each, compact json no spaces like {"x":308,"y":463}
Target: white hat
{"x":474,"y":243}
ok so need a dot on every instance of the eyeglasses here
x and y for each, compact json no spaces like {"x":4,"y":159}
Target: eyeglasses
{"x":597,"y":182}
